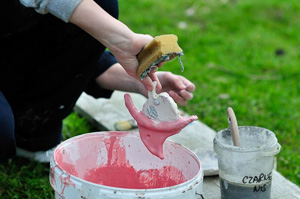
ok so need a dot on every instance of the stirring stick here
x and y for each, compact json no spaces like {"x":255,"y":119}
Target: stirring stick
{"x":233,"y":125}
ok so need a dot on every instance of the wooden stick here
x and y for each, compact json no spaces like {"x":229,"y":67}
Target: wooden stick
{"x":233,"y":125}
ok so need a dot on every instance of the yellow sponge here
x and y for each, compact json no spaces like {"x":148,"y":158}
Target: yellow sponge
{"x":161,"y":48}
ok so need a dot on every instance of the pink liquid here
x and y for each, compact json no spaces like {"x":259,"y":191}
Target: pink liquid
{"x":118,"y":172}
{"x":128,"y":177}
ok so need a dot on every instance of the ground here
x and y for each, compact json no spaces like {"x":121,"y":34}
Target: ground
{"x":243,"y":54}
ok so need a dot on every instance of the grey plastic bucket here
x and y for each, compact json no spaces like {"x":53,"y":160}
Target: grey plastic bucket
{"x":81,"y":150}
{"x":246,"y":171}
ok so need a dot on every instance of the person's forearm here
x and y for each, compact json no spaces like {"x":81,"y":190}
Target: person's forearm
{"x":116,"y":78}
{"x":116,"y":36}
{"x":97,"y":22}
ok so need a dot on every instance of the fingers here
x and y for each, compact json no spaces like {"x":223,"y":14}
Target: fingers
{"x":186,"y":95}
{"x":148,"y":84}
{"x":148,"y":81}
{"x":153,"y":77}
{"x":178,"y":87}
{"x":183,"y":96}
{"x":161,"y":64}
{"x":181,"y":83}
{"x":189,"y":86}
{"x":178,"y":99}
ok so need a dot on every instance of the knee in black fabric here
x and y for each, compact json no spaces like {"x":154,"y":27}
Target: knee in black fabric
{"x":7,"y":137}
{"x":43,"y":139}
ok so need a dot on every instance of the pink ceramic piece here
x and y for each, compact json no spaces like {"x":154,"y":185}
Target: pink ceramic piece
{"x":154,"y":133}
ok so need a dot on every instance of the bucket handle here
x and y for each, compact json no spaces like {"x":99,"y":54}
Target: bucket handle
{"x":200,"y":195}
{"x":272,"y":153}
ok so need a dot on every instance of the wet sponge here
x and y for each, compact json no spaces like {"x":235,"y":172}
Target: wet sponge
{"x":161,"y":48}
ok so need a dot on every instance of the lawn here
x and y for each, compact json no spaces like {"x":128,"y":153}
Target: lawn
{"x":243,"y":54}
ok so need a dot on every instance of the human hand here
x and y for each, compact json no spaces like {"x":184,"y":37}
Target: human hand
{"x":178,"y":87}
{"x":115,"y":35}
{"x":126,"y":54}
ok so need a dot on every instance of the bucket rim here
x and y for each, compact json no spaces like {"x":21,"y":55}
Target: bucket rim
{"x":199,"y":174}
{"x":242,"y":149}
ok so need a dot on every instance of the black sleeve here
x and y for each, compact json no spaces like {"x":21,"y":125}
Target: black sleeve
{"x":105,"y":61}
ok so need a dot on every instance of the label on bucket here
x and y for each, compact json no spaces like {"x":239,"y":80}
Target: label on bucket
{"x":259,"y":179}
{"x":236,"y":191}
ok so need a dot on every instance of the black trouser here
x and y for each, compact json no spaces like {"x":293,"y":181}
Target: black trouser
{"x":45,"y":65}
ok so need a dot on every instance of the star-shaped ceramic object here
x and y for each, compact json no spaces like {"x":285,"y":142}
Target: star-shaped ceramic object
{"x":156,"y":128}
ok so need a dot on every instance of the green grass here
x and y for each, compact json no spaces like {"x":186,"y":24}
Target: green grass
{"x":22,"y":178}
{"x":230,"y":54}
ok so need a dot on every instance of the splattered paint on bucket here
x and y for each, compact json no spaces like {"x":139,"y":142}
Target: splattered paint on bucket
{"x":79,"y":162}
{"x":115,"y":170}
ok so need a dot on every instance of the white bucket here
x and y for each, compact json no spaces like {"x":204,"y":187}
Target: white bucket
{"x":79,"y":165}
{"x":246,"y":171}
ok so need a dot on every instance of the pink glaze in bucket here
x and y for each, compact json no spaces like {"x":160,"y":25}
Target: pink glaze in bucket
{"x":116,"y":165}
